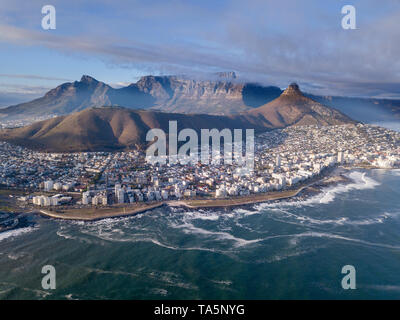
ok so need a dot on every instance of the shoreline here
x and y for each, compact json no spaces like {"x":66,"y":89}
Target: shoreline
{"x":332,"y":178}
{"x":87,"y":216}
{"x":236,"y":202}
{"x":335,"y":176}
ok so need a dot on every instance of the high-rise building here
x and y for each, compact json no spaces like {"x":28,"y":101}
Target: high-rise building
{"x":340,"y":157}
{"x":278,"y":161}
{"x":48,"y":185}
{"x":121,"y":196}
{"x":86,"y":198}
{"x":95,"y":200}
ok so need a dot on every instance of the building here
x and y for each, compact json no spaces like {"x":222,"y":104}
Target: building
{"x":120,"y":196}
{"x":340,"y":157}
{"x":48,"y":185}
{"x":278,"y":161}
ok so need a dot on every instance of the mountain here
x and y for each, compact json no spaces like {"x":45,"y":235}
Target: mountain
{"x":368,"y":110}
{"x":117,"y":128}
{"x":166,"y":93}
{"x":294,"y":108}
{"x":174,"y":94}
{"x":75,"y":96}
{"x":222,"y":95}
{"x":110,"y":129}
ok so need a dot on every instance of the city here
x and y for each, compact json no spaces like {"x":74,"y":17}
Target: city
{"x":284,"y":158}
{"x":184,"y":151}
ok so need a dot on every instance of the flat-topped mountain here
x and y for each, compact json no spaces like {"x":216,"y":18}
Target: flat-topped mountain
{"x":116,"y":128}
{"x":166,"y":93}
{"x":222,"y":95}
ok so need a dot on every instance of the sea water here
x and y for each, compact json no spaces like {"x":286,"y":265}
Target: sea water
{"x":292,"y":249}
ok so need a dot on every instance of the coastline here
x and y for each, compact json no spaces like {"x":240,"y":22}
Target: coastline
{"x":335,"y":176}
{"x":87,"y":215}
{"x":312,"y":187}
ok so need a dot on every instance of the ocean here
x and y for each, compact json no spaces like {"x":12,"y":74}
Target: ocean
{"x":283,"y":250}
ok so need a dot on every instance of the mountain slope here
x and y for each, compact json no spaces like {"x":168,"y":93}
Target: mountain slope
{"x":76,"y":96}
{"x":110,"y":128}
{"x":166,"y":93}
{"x":222,"y":95}
{"x":367,"y":110}
{"x":293,"y":108}
{"x":116,"y":128}
{"x":175,"y":94}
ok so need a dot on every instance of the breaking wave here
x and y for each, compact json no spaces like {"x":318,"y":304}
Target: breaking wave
{"x":360,"y":182}
{"x":15,"y":232}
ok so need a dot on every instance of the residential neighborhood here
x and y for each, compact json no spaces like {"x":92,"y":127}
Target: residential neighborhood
{"x":283,"y":159}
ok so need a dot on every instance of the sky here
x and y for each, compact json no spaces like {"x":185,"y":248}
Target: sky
{"x":264,"y":41}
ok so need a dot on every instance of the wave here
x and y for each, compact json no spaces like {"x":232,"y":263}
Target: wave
{"x":104,"y":232}
{"x":298,"y":219}
{"x":382,"y":287}
{"x":166,"y":278}
{"x":360,"y":182}
{"x":339,"y":237}
{"x":222,"y":282}
{"x":70,"y":297}
{"x":11,"y":286}
{"x":202,"y":215}
{"x":18,"y":255}
{"x":189,"y":228}
{"x":284,"y":256}
{"x":15,"y":232}
{"x":159,"y":291}
{"x":170,"y":279}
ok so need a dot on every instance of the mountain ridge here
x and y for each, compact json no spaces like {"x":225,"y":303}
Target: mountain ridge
{"x":117,"y":128}
{"x":221,"y":96}
{"x":109,"y":129}
{"x":167,"y":93}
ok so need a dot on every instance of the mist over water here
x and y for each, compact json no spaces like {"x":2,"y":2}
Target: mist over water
{"x":392,"y":125}
{"x":290,"y":249}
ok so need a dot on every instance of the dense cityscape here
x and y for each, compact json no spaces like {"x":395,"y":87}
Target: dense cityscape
{"x":283,"y":159}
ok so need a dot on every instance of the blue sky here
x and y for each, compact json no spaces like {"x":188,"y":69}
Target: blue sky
{"x":271,"y":42}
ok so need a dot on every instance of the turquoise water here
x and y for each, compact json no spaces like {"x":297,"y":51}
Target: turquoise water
{"x":285,"y":250}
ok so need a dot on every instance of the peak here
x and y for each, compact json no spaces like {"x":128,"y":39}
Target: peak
{"x":146,"y":78}
{"x":292,"y":89}
{"x":294,"y":86}
{"x":88,"y":79}
{"x":227,"y":75}
{"x":151,"y":78}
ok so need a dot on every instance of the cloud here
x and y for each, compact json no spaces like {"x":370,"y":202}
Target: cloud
{"x":10,"y":88}
{"x":11,"y":94}
{"x":270,"y":42}
{"x":31,"y":77}
{"x":118,"y":85}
